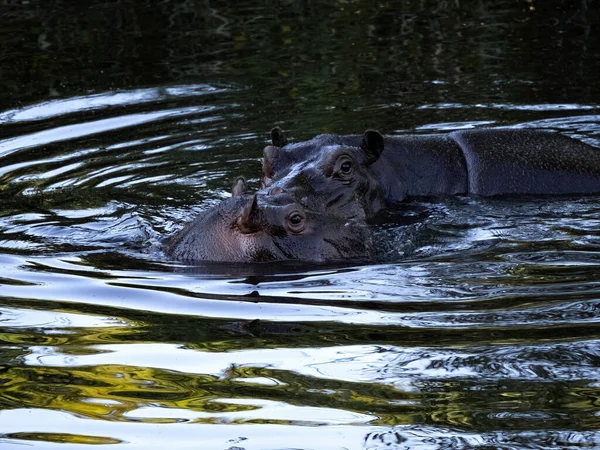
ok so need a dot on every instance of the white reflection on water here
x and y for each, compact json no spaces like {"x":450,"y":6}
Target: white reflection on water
{"x":258,"y":410}
{"x":512,"y":106}
{"x":74,"y":105}
{"x":49,"y":174}
{"x":400,"y":366}
{"x":59,"y":134}
{"x":257,"y":436}
{"x":40,"y":162}
{"x":189,"y":435}
{"x":319,"y":296}
{"x":27,"y":318}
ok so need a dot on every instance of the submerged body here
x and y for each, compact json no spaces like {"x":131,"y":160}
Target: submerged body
{"x":356,"y":175}
{"x":268,"y":228}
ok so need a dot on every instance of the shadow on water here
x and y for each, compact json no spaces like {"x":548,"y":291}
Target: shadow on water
{"x":477,"y":327}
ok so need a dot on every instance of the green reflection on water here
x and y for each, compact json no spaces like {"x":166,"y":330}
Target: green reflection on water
{"x":63,"y":438}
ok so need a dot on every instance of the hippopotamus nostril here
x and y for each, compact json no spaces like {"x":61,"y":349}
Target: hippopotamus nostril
{"x":276,"y":190}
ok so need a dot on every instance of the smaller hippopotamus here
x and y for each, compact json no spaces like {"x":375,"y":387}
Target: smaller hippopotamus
{"x":266,"y":228}
{"x":353,"y":176}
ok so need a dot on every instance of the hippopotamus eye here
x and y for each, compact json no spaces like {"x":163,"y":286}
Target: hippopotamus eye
{"x":344,"y":167}
{"x":296,"y":222}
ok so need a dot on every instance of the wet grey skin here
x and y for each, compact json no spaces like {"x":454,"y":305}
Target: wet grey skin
{"x":245,"y":229}
{"x":358,"y":176}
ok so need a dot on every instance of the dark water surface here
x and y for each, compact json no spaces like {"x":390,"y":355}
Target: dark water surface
{"x":119,"y":121}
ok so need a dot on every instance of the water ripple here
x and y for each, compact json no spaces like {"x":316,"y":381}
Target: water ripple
{"x":71,"y":106}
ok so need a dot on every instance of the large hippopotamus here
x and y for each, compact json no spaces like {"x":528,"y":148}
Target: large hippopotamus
{"x":358,"y":176}
{"x":266,"y":228}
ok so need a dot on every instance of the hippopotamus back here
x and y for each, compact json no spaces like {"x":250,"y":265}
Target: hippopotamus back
{"x":524,"y":161}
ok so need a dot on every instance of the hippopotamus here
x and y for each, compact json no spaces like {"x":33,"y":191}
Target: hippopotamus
{"x":358,"y":176}
{"x":264,"y":228}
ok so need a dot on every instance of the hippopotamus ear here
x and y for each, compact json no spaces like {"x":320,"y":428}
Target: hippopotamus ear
{"x":372,"y":146}
{"x":268,"y":164}
{"x":239,"y":187}
{"x":250,"y":219}
{"x":278,"y":138}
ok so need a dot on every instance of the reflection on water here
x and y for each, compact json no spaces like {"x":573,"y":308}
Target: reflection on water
{"x":490,"y":325}
{"x":477,"y":327}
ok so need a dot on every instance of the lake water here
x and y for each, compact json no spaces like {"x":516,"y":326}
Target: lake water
{"x":119,"y":121}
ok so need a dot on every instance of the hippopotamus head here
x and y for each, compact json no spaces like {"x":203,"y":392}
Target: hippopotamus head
{"x":262,"y":228}
{"x":280,"y":157}
{"x":330,"y":174}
